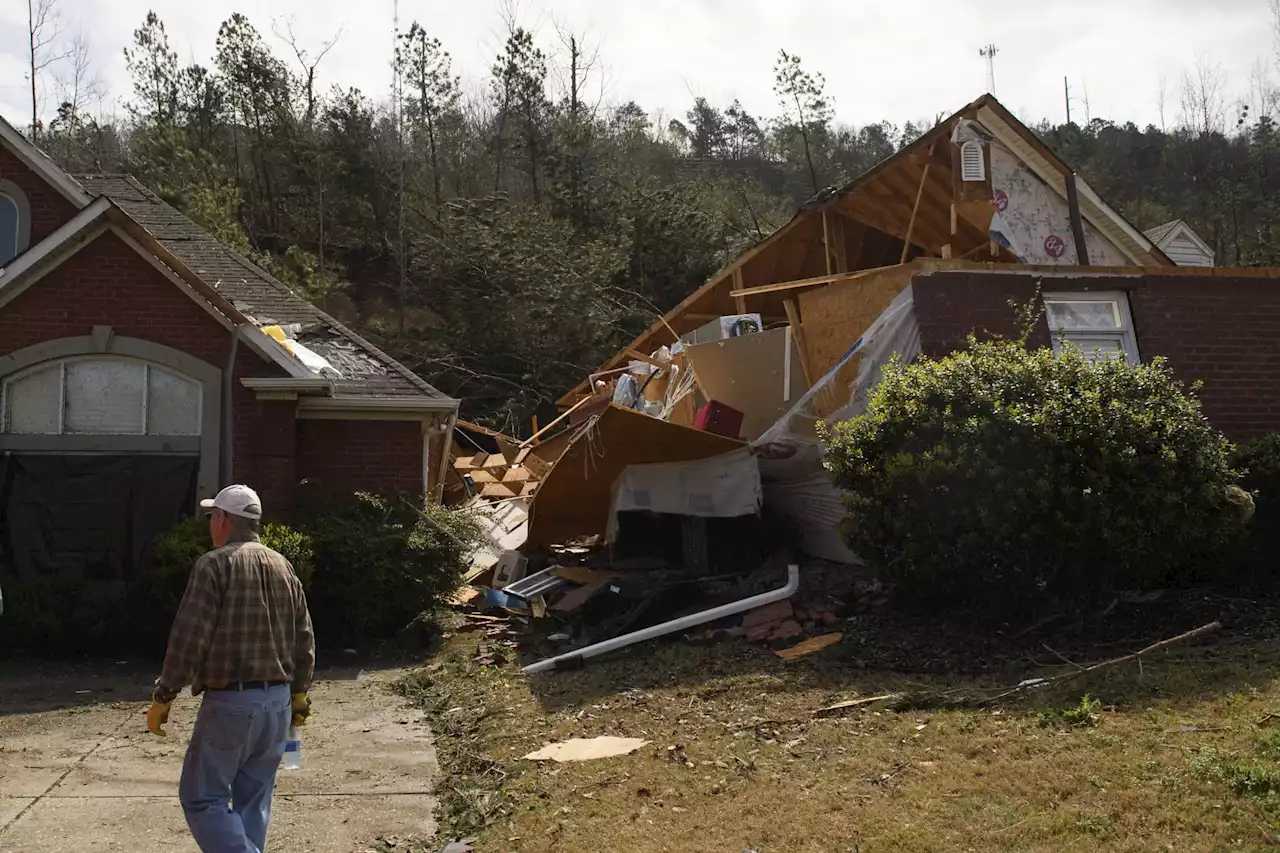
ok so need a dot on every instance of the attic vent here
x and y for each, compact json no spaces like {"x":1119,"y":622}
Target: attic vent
{"x":973,"y":166}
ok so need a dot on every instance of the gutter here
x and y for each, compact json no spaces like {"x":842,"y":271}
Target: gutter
{"x":576,"y":659}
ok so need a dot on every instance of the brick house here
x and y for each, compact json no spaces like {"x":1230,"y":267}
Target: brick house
{"x":136,"y":376}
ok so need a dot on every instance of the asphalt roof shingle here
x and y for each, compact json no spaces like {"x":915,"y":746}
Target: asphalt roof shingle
{"x":366,"y":370}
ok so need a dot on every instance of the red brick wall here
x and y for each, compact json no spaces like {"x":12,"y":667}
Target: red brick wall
{"x":107,"y":283}
{"x":371,"y":456}
{"x":49,"y":209}
{"x":1224,"y":331}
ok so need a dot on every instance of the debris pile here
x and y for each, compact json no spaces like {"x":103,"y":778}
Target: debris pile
{"x":672,"y":497}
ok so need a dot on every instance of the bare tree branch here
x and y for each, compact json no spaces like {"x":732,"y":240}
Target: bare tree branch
{"x":44,"y":27}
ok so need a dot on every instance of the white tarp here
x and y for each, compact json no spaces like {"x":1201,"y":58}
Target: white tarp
{"x":795,"y":482}
{"x":722,"y":486}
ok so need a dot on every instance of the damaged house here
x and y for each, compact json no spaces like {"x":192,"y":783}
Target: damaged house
{"x":714,"y":411}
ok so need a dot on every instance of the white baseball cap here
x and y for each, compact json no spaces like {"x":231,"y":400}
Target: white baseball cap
{"x":236,"y":500}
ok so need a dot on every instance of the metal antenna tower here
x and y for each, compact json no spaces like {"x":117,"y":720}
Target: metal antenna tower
{"x":989,"y":53}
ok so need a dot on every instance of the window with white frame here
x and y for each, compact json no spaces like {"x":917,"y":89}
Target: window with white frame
{"x":99,"y":395}
{"x":1098,"y":323}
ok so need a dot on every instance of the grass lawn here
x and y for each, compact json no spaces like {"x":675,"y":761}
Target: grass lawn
{"x":1175,"y":754}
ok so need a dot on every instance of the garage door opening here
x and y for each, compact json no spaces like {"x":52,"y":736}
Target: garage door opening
{"x":102,"y":452}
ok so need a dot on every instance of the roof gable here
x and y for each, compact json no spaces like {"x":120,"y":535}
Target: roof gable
{"x":1179,"y":235}
{"x":43,"y":165}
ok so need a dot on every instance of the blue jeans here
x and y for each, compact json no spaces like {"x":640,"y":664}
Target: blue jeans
{"x":229,"y":773}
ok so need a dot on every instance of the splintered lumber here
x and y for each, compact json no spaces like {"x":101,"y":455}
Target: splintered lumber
{"x":854,"y":703}
{"x":809,"y":646}
{"x":516,"y":474}
{"x":498,"y":490}
{"x":810,"y":282}
{"x":467,"y":462}
{"x":647,"y":359}
{"x":915,"y":208}
{"x":797,"y":332}
{"x":482,"y":477}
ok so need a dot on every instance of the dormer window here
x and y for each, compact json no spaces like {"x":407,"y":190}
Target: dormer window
{"x":15,"y":222}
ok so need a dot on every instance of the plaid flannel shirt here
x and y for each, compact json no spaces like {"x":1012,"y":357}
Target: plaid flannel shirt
{"x":243,"y":618}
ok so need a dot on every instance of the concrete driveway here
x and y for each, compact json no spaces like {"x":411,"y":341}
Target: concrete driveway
{"x":79,"y":772}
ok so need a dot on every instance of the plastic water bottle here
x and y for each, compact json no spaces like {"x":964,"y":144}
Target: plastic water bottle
{"x":293,"y":750}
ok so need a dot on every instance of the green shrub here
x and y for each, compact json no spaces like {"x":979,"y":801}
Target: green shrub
{"x":999,"y":481}
{"x":380,"y":562}
{"x":370,"y":565}
{"x":156,"y":590}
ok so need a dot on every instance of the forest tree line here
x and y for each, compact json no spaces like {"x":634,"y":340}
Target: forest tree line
{"x":504,"y":241}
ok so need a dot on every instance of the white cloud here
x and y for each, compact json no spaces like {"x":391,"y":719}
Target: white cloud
{"x":904,"y":61}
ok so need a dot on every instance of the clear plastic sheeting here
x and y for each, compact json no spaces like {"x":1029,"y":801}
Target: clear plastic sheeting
{"x":724,"y":486}
{"x":790,"y":456}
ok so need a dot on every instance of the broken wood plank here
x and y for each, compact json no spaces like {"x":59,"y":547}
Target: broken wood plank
{"x":569,"y":411}
{"x":797,"y":332}
{"x":516,"y":474}
{"x":739,"y":302}
{"x":498,"y":490}
{"x":854,"y":703}
{"x":809,"y":646}
{"x":915,"y":209}
{"x":810,"y":282}
{"x":826,"y":241}
{"x":647,"y":359}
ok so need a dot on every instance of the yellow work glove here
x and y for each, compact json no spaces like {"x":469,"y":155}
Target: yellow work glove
{"x":157,"y":716}
{"x":301,"y":709}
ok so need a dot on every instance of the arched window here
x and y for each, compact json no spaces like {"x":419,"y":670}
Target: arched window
{"x":10,"y":228}
{"x":96,"y":395}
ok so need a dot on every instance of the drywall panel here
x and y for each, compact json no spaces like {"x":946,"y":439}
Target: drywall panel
{"x":752,"y":374}
{"x":573,"y":500}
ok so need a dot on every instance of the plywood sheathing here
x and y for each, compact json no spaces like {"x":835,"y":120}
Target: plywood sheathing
{"x":835,"y":317}
{"x":573,"y":500}
{"x":747,"y":373}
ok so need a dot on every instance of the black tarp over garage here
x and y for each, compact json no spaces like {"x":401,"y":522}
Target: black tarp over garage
{"x":91,"y":515}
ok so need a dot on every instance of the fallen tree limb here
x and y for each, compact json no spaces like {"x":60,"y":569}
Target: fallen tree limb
{"x":965,"y":697}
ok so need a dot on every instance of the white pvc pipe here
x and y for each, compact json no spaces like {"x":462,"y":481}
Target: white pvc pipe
{"x":575,"y":658}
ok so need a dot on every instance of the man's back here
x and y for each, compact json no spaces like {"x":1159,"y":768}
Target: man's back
{"x":243,"y":619}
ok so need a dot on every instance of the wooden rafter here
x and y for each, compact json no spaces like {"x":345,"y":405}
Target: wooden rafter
{"x":915,"y":208}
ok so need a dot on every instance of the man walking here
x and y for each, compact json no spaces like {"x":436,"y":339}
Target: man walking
{"x":242,"y":636}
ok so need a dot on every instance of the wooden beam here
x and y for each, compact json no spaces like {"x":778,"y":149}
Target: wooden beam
{"x":954,"y":224}
{"x":841,"y":253}
{"x":797,"y":332}
{"x":739,"y":302}
{"x":569,"y":411}
{"x":826,"y":241}
{"x":915,"y":209}
{"x":769,"y":319}
{"x":811,"y":282}
{"x":1077,"y":226}
{"x":647,"y":359}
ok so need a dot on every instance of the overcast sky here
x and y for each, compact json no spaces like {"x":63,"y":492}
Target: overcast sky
{"x":892,"y":59}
